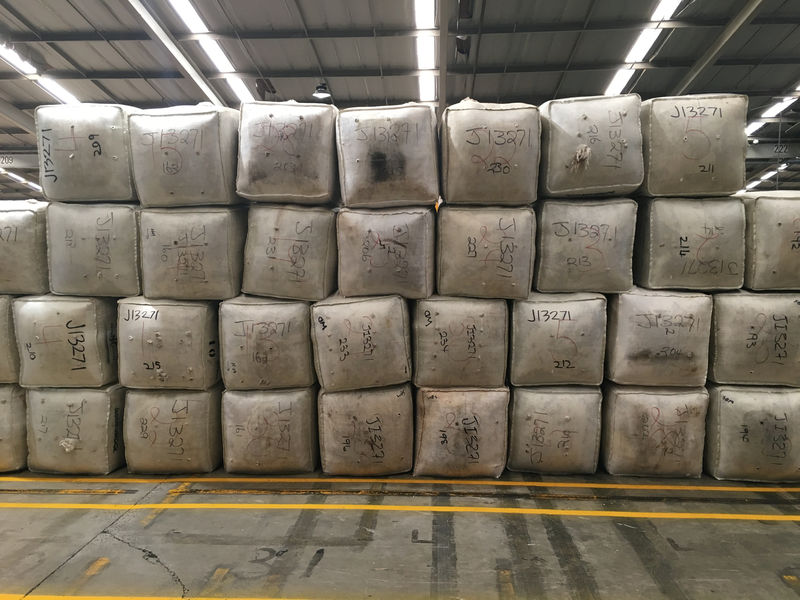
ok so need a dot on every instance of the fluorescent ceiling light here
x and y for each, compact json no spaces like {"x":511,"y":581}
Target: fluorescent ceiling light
{"x":753,"y":127}
{"x":642,"y":45}
{"x":768,"y":175}
{"x":189,"y":16}
{"x":239,"y":88}
{"x":217,"y":56}
{"x":665,"y":9}
{"x":15,"y":177}
{"x":426,"y":52}
{"x":19,"y":179}
{"x":778,"y":107}
{"x":425,"y":14}
{"x":56,"y":90}
{"x":427,"y":87}
{"x":34,"y":186}
{"x":16,"y":61}
{"x":752,"y":184}
{"x":783,"y":167}
{"x":621,"y":79}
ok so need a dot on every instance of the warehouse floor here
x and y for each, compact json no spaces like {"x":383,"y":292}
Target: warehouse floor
{"x":320,"y":537}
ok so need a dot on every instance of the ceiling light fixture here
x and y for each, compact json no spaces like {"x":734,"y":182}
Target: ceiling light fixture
{"x":22,"y":180}
{"x":56,"y":90}
{"x":321,"y":92}
{"x":768,"y":175}
{"x":13,"y":58}
{"x":752,"y":184}
{"x":646,"y":40}
{"x":425,"y":19}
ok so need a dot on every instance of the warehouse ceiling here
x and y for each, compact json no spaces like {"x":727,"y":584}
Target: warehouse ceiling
{"x":150,"y":53}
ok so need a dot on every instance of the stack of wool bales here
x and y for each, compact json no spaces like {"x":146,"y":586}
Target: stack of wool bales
{"x":287,"y":165}
{"x":191,"y":236}
{"x":67,"y":339}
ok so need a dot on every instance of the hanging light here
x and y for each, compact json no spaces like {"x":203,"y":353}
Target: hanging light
{"x":322,"y":93}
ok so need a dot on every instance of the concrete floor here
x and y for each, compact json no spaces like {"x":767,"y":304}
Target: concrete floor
{"x":318,"y":537}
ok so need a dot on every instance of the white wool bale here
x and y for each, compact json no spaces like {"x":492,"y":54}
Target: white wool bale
{"x":485,"y":252}
{"x":167,"y":344}
{"x":172,"y":431}
{"x":652,"y":431}
{"x":366,"y":432}
{"x":290,"y":252}
{"x":84,"y":152}
{"x":361,"y":342}
{"x":755,"y":339}
{"x":555,"y":429}
{"x":269,"y":431}
{"x":185,"y":155}
{"x":558,"y":339}
{"x":461,"y":432}
{"x":287,"y":152}
{"x":694,"y":145}
{"x":591,"y":146}
{"x":66,"y":341}
{"x":388,"y":155}
{"x":13,"y":429}
{"x":585,"y":246}
{"x":749,"y":433}
{"x":490,"y":153}
{"x":93,"y":249}
{"x":691,"y":243}
{"x":387,"y":251}
{"x":265,"y":344}
{"x":773,"y":242}
{"x":23,"y":247}
{"x":460,"y":342}
{"x":75,"y":431}
{"x":658,"y":338}
{"x":9,"y":354}
{"x":192,"y":253}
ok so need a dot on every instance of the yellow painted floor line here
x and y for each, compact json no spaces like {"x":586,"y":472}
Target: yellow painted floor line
{"x":22,"y":596}
{"x":403,"y":508}
{"x":408,"y":481}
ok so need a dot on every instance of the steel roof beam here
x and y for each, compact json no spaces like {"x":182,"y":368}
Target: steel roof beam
{"x":15,"y":115}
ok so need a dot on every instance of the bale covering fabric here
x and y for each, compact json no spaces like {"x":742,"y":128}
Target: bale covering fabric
{"x":266,"y":432}
{"x":13,"y":429}
{"x":9,"y":354}
{"x":23,"y":247}
{"x":773,"y":242}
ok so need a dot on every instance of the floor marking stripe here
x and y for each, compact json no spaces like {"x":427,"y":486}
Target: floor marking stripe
{"x":408,"y":481}
{"x":22,"y":596}
{"x":403,"y":508}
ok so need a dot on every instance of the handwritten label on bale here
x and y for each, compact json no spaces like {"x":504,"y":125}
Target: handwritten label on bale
{"x":366,"y":432}
{"x":555,"y":429}
{"x":269,"y":432}
{"x":75,"y":431}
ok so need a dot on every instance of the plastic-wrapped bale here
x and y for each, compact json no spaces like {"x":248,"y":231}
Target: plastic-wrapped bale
{"x":773,"y":242}
{"x":555,"y":429}
{"x":558,"y":339}
{"x":651,"y":431}
{"x":172,"y":431}
{"x":658,"y":338}
{"x":66,"y":341}
{"x":490,"y":153}
{"x":167,"y":344}
{"x":185,"y":155}
{"x":366,"y":432}
{"x":290,"y":252}
{"x":388,"y":155}
{"x":387,"y":251}
{"x":23,"y":247}
{"x":93,"y":249}
{"x":192,"y":253}
{"x":287,"y":152}
{"x":269,"y":431}
{"x":84,"y":152}
{"x":75,"y":431}
{"x":13,"y":428}
{"x":460,"y":342}
{"x":485,"y":252}
{"x":265,"y":344}
{"x":591,"y":146}
{"x":755,"y":339}
{"x":585,"y":246}
{"x":9,"y":354}
{"x":361,"y":342}
{"x":749,"y":433}
{"x":690,"y":243}
{"x":694,"y":145}
{"x":461,"y":432}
